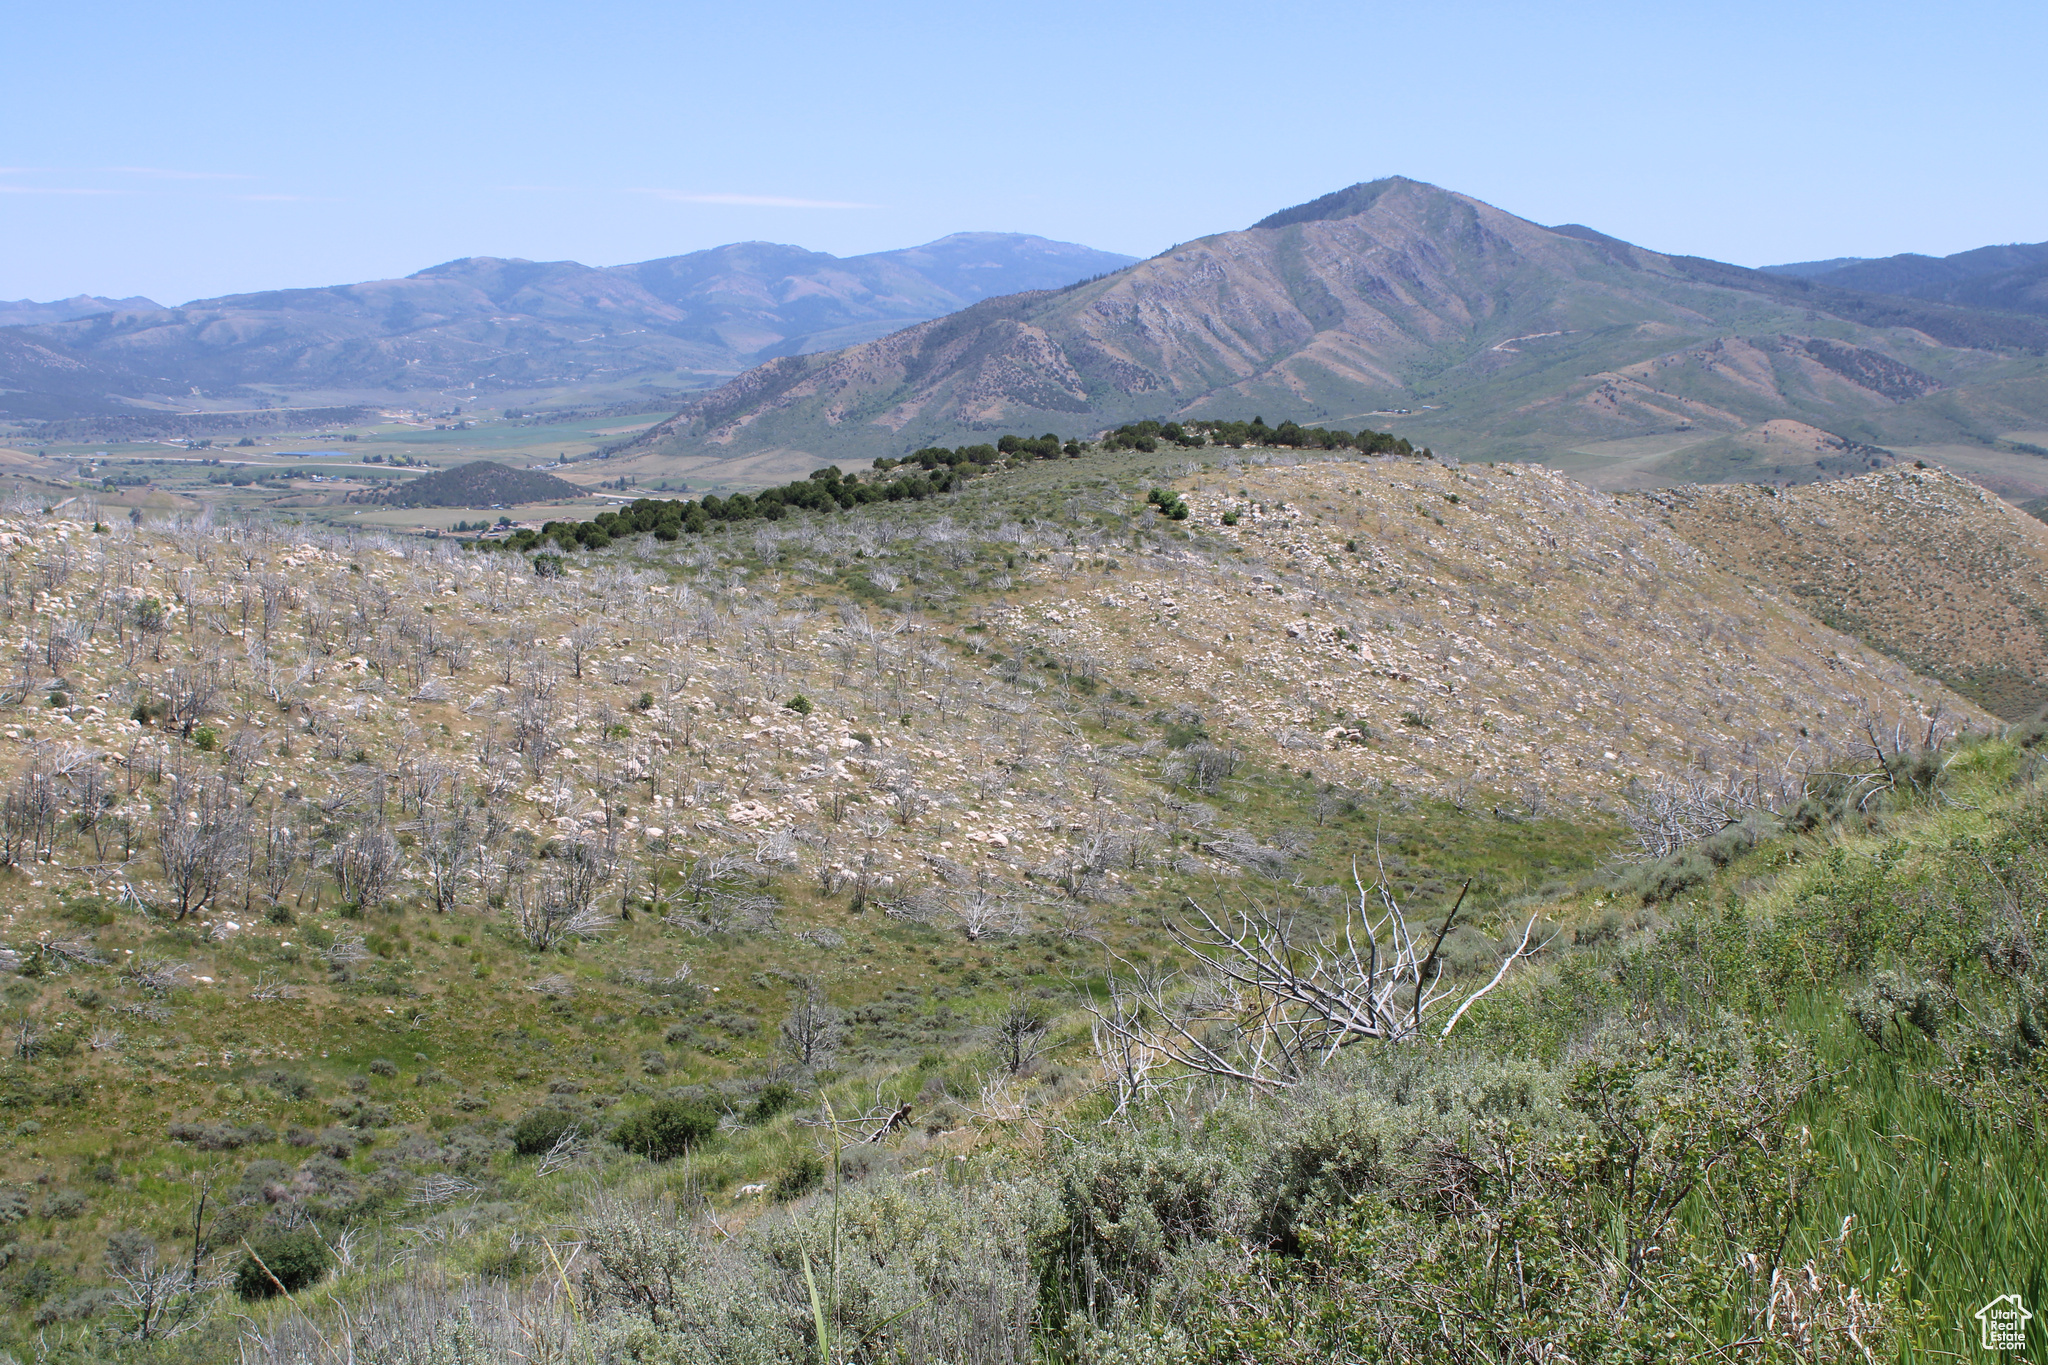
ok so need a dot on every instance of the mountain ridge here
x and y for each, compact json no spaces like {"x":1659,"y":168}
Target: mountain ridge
{"x":2010,"y":277}
{"x":1483,"y":331}
{"x":501,"y":324}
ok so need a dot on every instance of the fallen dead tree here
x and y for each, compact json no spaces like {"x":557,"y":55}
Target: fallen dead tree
{"x":1272,"y":998}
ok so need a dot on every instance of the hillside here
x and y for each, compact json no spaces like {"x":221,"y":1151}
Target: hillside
{"x":1460,"y":325}
{"x":41,"y":382}
{"x":2013,"y":278}
{"x":419,"y":917}
{"x":1923,"y":565}
{"x":481,"y":483}
{"x":28,"y":313}
{"x":509,"y":325}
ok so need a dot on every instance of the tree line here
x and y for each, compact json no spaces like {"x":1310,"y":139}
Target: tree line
{"x":1146,"y":437}
{"x":922,"y":474}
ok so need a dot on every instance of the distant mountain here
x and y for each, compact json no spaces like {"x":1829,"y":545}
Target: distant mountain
{"x":26,"y":313}
{"x":2013,"y":278}
{"x":1808,"y":270}
{"x":41,"y":381}
{"x":1400,"y":304}
{"x":498,"y":325}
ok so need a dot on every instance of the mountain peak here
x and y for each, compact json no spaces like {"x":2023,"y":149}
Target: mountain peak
{"x":1344,"y":203}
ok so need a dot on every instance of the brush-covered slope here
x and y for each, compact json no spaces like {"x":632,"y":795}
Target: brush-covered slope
{"x":481,"y":483}
{"x":504,"y":324}
{"x":1924,"y":565}
{"x":1496,"y":336}
{"x":331,"y":857}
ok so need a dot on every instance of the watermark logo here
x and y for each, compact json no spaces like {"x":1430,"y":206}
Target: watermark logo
{"x":2003,"y":1323}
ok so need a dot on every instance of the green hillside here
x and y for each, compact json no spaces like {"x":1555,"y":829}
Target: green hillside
{"x":481,"y":483}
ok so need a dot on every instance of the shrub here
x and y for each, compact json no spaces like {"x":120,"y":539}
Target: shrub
{"x":383,"y":1066}
{"x":773,"y":1098}
{"x":292,"y":1259}
{"x":540,"y":1130}
{"x":803,"y":1174}
{"x":1126,"y":1211}
{"x":665,"y":1129}
{"x":799,"y":704}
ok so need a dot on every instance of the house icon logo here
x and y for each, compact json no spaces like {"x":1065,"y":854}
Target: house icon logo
{"x":2003,"y":1323}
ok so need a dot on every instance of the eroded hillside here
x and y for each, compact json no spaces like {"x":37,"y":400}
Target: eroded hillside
{"x":1924,"y":565}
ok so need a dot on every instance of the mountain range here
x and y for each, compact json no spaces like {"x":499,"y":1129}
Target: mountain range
{"x":1397,"y":303}
{"x":2013,"y":277}
{"x":28,"y":313}
{"x":501,"y":326}
{"x":1391,"y":304}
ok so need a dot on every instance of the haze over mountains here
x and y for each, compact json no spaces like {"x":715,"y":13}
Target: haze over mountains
{"x":1400,"y":304}
{"x":2012,"y":277}
{"x":501,"y":326}
{"x":28,"y":313}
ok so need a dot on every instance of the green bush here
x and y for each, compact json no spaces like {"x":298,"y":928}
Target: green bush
{"x":540,"y":1130}
{"x":803,"y":1174}
{"x":292,"y":1259}
{"x":772,"y":1100}
{"x":665,"y":1129}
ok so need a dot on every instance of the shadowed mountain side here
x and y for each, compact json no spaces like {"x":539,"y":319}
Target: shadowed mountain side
{"x":1920,"y":564}
{"x":1489,"y":335}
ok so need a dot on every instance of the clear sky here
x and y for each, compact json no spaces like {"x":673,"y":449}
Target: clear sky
{"x":186,"y":150}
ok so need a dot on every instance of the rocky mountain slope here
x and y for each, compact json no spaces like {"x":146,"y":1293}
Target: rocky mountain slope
{"x":1921,"y":564}
{"x":1479,"y":331}
{"x":510,"y":324}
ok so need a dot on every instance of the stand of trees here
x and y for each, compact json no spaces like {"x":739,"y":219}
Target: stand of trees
{"x":924,"y":474}
{"x":1146,"y":437}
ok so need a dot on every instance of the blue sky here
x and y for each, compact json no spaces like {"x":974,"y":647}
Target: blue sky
{"x":180,"y":151}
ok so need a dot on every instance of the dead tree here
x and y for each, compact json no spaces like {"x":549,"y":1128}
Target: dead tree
{"x":199,"y":832}
{"x":812,"y":1030}
{"x":450,"y":838}
{"x":561,"y":903}
{"x":28,"y":821}
{"x":1020,"y":1034}
{"x":1269,"y":1003}
{"x":364,"y":863}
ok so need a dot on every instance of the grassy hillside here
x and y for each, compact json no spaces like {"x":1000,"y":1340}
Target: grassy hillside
{"x":465,"y":940}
